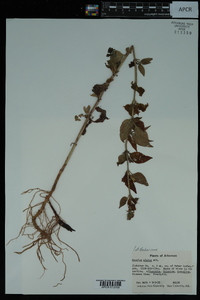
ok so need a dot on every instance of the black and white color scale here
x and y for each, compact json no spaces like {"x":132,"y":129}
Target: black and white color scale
{"x":135,"y":9}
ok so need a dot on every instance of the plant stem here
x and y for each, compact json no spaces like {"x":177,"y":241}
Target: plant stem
{"x":133,"y":102}
{"x":135,"y":75}
{"x":127,"y":166}
{"x":75,"y":143}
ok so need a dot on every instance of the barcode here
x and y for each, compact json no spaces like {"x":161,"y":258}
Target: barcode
{"x":108,"y":283}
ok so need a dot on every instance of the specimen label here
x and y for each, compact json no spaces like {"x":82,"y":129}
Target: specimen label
{"x":162,"y":272}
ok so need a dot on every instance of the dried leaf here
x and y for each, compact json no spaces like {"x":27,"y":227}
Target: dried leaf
{"x":132,"y":200}
{"x":129,"y":108}
{"x":86,"y":109}
{"x":146,"y":61}
{"x":129,"y":50}
{"x":115,"y":59}
{"x":132,"y":142}
{"x":132,"y":64}
{"x":77,"y":118}
{"x":117,"y":55}
{"x":102,"y":116}
{"x":99,"y":88}
{"x":129,"y":182}
{"x":110,"y":50}
{"x":131,"y":203}
{"x":121,"y":159}
{"x":140,"y":106}
{"x":130,"y":215}
{"x":141,"y":69}
{"x":139,"y":123}
{"x":131,"y":206}
{"x":132,"y":186}
{"x":139,"y":158}
{"x":122,"y":201}
{"x":125,"y":129}
{"x":138,"y":89}
{"x":139,"y":178}
{"x":141,"y":137}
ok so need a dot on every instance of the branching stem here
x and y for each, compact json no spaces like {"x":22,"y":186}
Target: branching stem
{"x":75,"y":143}
{"x":45,"y":228}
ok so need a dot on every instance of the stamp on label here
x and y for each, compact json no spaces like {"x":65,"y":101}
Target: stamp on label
{"x":182,"y":27}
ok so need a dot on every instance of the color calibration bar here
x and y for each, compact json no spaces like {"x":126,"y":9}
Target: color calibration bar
{"x":92,"y":10}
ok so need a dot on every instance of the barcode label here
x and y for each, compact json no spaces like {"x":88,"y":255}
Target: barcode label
{"x":110,"y":283}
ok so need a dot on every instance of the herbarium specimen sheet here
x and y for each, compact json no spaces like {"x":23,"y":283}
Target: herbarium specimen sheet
{"x":120,"y":227}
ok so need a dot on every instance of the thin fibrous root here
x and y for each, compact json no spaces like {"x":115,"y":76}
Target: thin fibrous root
{"x":45,"y":229}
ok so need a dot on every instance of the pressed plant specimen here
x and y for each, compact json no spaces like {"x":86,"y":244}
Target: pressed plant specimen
{"x":134,"y":133}
{"x":43,"y":214}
